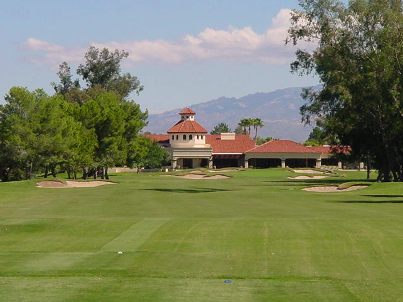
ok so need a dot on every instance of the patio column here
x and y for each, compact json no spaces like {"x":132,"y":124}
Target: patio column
{"x":210,"y":163}
{"x":340,"y":165}
{"x":283,"y":163}
{"x":318,"y":163}
{"x":173,"y":163}
{"x":246,"y":163}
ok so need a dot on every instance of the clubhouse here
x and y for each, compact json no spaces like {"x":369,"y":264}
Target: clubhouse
{"x":190,"y":146}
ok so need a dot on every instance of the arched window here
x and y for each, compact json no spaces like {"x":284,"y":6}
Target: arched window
{"x":197,"y":136}
{"x":173,"y":137}
{"x":184,"y":137}
{"x":177,"y":137}
{"x":201,"y":136}
{"x":190,"y":137}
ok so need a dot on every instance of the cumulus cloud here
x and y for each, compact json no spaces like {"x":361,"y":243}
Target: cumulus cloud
{"x":242,"y":44}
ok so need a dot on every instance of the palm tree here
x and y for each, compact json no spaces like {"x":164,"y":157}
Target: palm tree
{"x":244,"y":123}
{"x":256,"y":123}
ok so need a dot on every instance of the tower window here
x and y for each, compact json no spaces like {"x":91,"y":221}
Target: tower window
{"x":173,"y":137}
{"x":184,"y":137}
{"x":190,"y":137}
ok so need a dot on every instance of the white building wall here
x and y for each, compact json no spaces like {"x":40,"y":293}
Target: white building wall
{"x":176,"y":140}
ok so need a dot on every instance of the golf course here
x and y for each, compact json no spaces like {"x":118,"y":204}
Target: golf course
{"x":254,"y":236}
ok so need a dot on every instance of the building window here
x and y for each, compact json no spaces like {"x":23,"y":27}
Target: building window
{"x":201,"y":136}
{"x":177,"y":137}
{"x":197,"y":136}
{"x":173,"y":137}
{"x":184,"y":137}
{"x":190,"y":137}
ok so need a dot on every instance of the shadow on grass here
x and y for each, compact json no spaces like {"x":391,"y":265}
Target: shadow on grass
{"x":313,"y":182}
{"x":200,"y":190}
{"x":383,"y":195}
{"x":371,"y":201}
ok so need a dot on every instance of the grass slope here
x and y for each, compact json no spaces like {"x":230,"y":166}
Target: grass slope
{"x":181,"y":239}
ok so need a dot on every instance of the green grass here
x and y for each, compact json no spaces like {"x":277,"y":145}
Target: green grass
{"x":181,"y":239}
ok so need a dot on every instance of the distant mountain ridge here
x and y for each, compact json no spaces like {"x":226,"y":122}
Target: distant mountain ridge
{"x":278,"y":109}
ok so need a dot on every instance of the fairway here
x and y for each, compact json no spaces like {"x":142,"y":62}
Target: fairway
{"x":253,"y":237}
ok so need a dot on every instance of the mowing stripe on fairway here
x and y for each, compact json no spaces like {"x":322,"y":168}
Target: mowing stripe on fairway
{"x":131,"y":239}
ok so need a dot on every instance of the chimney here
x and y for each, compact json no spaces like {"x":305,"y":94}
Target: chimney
{"x":227,"y":136}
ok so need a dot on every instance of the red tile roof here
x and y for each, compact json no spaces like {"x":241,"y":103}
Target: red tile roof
{"x":241,"y":143}
{"x":187,"y":126}
{"x":282,"y":146}
{"x":187,"y":110}
{"x":159,"y":138}
{"x":332,"y":149}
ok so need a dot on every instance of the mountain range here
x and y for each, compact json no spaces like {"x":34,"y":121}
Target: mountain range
{"x":278,"y":109}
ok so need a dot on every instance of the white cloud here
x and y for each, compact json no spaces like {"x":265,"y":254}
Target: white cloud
{"x":232,"y":44}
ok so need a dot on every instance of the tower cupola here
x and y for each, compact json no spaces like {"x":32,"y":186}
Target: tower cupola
{"x":187,"y":114}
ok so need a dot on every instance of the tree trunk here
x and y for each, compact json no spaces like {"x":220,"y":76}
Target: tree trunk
{"x":46,"y":172}
{"x":106,"y":173}
{"x":54,"y":174}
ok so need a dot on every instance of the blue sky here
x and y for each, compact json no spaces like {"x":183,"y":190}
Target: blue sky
{"x":184,"y":52}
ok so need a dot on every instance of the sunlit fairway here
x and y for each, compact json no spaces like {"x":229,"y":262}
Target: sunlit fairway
{"x":254,"y":237}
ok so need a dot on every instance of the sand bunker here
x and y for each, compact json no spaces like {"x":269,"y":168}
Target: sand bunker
{"x":308,"y":171}
{"x":202,"y":176}
{"x":308,"y":177}
{"x":72,"y":184}
{"x":223,"y":171}
{"x":332,"y":189}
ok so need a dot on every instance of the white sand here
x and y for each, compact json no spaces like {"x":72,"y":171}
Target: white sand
{"x":72,"y":184}
{"x":202,"y":176}
{"x":308,"y":171}
{"x":308,"y":177}
{"x":223,"y":171}
{"x":332,"y":189}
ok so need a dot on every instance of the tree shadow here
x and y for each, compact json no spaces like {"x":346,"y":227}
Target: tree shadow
{"x":311,"y":182}
{"x":384,"y":195}
{"x":199,"y":190}
{"x":371,"y":201}
{"x":374,"y":198}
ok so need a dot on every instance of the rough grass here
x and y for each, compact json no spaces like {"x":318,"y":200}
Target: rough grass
{"x":182,"y":240}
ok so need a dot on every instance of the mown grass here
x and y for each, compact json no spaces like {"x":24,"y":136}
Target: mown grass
{"x":181,"y":239}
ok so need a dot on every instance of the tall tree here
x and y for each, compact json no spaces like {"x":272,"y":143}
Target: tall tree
{"x":245,"y":124}
{"x":256,"y":123}
{"x":357,"y":52}
{"x":102,"y":68}
{"x":220,"y":128}
{"x":317,"y":137}
{"x":66,"y":82}
{"x":146,"y":153}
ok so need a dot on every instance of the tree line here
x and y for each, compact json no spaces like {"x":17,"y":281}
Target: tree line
{"x":244,"y":127}
{"x":77,"y":130}
{"x":357,"y":53}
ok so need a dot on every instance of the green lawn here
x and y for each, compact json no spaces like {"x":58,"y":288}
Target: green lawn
{"x":181,"y":239}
